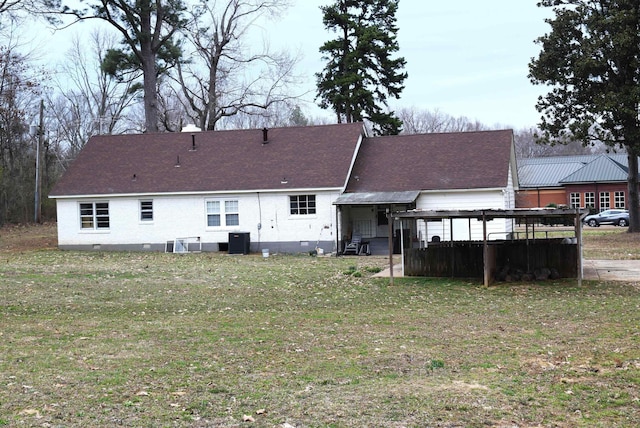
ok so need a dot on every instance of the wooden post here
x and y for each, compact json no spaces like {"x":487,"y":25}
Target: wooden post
{"x":485,"y":250}
{"x":578,"y":226}
{"x":390,"y":222}
{"x":453,"y":255}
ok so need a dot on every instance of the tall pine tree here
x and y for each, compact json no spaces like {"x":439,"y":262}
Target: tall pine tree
{"x":360,"y":74}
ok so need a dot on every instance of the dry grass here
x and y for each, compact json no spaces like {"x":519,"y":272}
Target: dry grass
{"x":611,"y":243}
{"x":203,"y":340}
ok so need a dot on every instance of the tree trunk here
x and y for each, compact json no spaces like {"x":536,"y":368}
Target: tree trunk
{"x":150,"y":98}
{"x":632,"y":191}
{"x":150,"y":74}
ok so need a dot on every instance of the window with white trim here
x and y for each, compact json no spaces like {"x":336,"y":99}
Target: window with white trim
{"x":302,"y":204}
{"x":94,"y":215}
{"x":619,"y":200}
{"x":231,"y":215}
{"x":574,"y":200}
{"x":589,"y":200}
{"x":222,"y":213}
{"x":146,"y":210}
{"x":605,"y":201}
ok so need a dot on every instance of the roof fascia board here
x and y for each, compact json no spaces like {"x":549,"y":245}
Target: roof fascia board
{"x":479,"y":189}
{"x":361,"y":138}
{"x":209,"y":193}
{"x":514,"y":164}
{"x":573,"y":183}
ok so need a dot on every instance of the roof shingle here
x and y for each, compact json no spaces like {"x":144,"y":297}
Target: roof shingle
{"x":459,"y":160}
{"x":294,"y":158}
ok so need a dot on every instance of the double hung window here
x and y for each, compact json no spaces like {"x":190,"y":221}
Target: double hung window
{"x":94,"y":215}
{"x":221,"y":213}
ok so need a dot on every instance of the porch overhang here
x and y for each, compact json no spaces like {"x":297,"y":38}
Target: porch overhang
{"x":377,"y":198}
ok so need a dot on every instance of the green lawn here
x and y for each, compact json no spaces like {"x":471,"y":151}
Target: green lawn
{"x":203,"y":340}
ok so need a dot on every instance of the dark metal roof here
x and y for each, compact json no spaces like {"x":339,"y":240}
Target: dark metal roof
{"x":371,"y":198}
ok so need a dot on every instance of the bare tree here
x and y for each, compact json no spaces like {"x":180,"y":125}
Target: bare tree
{"x":226,"y":76}
{"x":171,"y":109}
{"x":528,"y":145}
{"x":14,"y":10}
{"x":19,"y":92}
{"x":425,"y":121}
{"x":89,"y":101}
{"x":9,"y":6}
{"x":147,"y":28}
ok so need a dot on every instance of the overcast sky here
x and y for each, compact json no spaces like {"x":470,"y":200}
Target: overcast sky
{"x":464,"y":57}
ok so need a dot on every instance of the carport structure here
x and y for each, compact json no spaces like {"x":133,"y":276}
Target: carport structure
{"x":483,"y":259}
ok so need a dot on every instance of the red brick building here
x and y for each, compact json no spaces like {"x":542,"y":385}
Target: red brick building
{"x":598,"y":182}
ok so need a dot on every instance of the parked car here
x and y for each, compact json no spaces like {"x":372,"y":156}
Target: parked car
{"x":616,"y":217}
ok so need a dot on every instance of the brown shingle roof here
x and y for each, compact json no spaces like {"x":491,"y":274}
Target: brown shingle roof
{"x":460,"y":160}
{"x":308,"y":157}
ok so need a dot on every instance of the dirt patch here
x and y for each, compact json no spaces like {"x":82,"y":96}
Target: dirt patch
{"x":22,"y":237}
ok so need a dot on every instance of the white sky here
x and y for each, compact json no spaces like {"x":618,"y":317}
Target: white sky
{"x":464,"y":57}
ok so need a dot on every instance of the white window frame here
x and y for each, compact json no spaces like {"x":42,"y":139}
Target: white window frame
{"x":574,"y":200}
{"x":589,"y":199}
{"x":94,"y":215}
{"x":308,"y":207}
{"x":226,"y":210}
{"x":231,"y":212}
{"x":605,"y":201}
{"x":146,"y":210}
{"x":619,"y":200}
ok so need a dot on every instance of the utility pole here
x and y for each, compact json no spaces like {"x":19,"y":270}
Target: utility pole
{"x":38,"y":205}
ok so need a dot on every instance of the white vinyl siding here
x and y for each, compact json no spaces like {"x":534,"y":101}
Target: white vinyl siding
{"x":465,"y":229}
